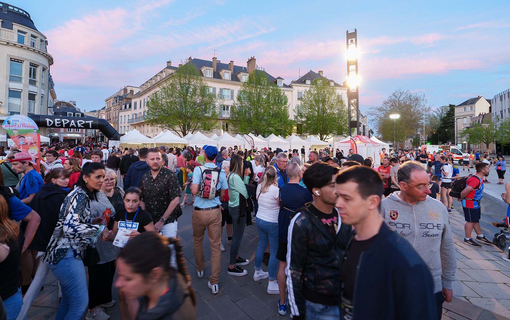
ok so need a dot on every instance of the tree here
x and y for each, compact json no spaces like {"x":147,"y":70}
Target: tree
{"x":503,"y":132}
{"x":446,"y":129}
{"x":481,"y":133}
{"x":261,"y":107}
{"x":184,"y":103}
{"x":322,"y":111}
{"x":412,"y":109}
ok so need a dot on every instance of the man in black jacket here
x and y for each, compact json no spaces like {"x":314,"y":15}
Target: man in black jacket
{"x":382,"y":276}
{"x":317,"y":240}
{"x":127,"y":160}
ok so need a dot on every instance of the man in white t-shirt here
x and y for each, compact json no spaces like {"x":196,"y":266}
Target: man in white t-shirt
{"x":446,"y":183}
{"x":106,"y":153}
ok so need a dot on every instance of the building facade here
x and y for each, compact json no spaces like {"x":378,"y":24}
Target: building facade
{"x":69,"y":135}
{"x":116,"y":102}
{"x":500,"y":106}
{"x":464,"y":114}
{"x":25,"y":81}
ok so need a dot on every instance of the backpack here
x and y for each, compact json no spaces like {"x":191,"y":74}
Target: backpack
{"x":458,"y":185}
{"x":209,"y":182}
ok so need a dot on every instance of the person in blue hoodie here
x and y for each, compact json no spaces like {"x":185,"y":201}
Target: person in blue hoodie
{"x":382,"y":276}
{"x":137,"y":170}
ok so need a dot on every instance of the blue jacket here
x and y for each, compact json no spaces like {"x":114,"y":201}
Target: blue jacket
{"x":392,"y":282}
{"x":134,"y":175}
{"x":279,"y":177}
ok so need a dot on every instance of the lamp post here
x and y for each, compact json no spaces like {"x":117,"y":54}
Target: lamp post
{"x":352,"y":78}
{"x":394,"y":116}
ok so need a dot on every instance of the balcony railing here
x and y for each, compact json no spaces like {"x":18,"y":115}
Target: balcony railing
{"x":138,"y":119}
{"x":224,"y":115}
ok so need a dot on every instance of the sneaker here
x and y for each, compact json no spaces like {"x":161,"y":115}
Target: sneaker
{"x":237,"y":272}
{"x":472,"y":242}
{"x":98,"y":314}
{"x":108,"y":305}
{"x":222,"y":247}
{"x":260,"y":275}
{"x":200,"y":274}
{"x":272,"y":287}
{"x":242,"y":262}
{"x":282,"y":309}
{"x":214,"y":287}
{"x":483,"y":240}
{"x":452,"y":207}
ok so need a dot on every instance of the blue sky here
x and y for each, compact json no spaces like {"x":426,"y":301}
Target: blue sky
{"x":448,"y":50}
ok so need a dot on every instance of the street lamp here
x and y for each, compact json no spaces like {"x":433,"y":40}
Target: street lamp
{"x":394,"y":116}
{"x":352,"y":55}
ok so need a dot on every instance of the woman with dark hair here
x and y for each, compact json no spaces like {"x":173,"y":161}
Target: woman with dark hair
{"x":235,"y":188}
{"x":10,"y":259}
{"x":47,"y":203}
{"x":144,"y":272}
{"x":74,"y":232}
{"x":73,"y":167}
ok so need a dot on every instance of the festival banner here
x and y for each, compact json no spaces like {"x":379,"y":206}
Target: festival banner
{"x":24,"y":132}
{"x":354,"y":147}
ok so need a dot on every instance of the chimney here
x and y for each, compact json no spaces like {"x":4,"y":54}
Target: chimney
{"x":320,"y":73}
{"x":214,"y":63}
{"x":189,"y":59}
{"x":132,"y":92}
{"x":251,"y":64}
{"x":169,"y":63}
{"x":125,"y":90}
{"x":231,"y":66}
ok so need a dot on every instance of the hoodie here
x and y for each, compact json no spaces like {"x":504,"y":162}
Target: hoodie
{"x":47,"y":204}
{"x":426,"y":226}
{"x":134,"y":175}
{"x":176,"y":303}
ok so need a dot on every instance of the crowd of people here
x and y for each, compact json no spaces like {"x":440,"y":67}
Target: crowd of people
{"x":330,"y":229}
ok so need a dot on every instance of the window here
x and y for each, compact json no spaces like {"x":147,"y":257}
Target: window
{"x":33,"y":41}
{"x":299,"y":95}
{"x":332,"y":83}
{"x":244,"y":78}
{"x":42,"y":100}
{"x":465,"y":120}
{"x":308,"y":82}
{"x":208,"y":73}
{"x":16,"y":72}
{"x":135,"y":105}
{"x":279,"y":83}
{"x":69,"y":114}
{"x":226,"y":75}
{"x":42,"y":75}
{"x":14,"y":102}
{"x":225,"y":93}
{"x":21,"y":37}
{"x":143,"y":102}
{"x":69,"y":130}
{"x":471,"y":108}
{"x":32,"y":75}
{"x":41,"y":45}
{"x":465,"y":109}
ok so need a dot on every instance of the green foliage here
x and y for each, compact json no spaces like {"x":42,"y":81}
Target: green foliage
{"x":503,"y":132}
{"x":184,"y":103}
{"x":412,"y":109}
{"x":322,"y":111}
{"x":481,"y":133}
{"x":446,"y":129}
{"x":261,"y":107}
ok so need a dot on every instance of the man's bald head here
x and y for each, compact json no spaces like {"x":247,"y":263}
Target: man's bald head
{"x":293,"y":170}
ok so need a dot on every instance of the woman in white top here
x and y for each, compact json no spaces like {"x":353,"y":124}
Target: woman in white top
{"x":258,"y":168}
{"x":267,"y":225}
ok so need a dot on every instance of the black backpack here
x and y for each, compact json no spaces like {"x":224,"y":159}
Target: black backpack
{"x":458,"y":185}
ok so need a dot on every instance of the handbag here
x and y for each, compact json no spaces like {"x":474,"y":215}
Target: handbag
{"x":91,"y":257}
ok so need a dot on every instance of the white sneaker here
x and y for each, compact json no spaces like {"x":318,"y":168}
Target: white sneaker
{"x":222,"y":247}
{"x":272,"y":287}
{"x":200,"y":274}
{"x":260,"y":275}
{"x":214,"y":287}
{"x":108,"y":305}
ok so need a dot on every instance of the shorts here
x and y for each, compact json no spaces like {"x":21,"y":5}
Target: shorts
{"x":225,"y":215}
{"x":472,"y":215}
{"x":501,"y":174}
{"x":446,"y":185}
{"x":281,"y":254}
{"x":466,"y":162}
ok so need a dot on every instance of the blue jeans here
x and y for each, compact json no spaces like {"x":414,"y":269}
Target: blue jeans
{"x":268,"y":233}
{"x":316,"y":311}
{"x":13,"y":305}
{"x":71,"y":274}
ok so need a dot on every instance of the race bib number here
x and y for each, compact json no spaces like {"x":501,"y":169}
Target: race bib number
{"x":123,"y":233}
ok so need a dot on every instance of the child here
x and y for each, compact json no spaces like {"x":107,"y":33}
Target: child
{"x":434,"y":187}
{"x":189,"y":170}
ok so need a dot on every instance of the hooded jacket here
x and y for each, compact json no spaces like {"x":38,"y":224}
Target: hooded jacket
{"x":176,"y":303}
{"x":425,"y":225}
{"x":134,"y":174}
{"x":46,"y":203}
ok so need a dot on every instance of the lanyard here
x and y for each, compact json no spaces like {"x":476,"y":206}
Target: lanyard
{"x":133,"y":221}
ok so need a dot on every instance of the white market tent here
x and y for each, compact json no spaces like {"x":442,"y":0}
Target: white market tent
{"x":275,"y":142}
{"x":365,"y":147}
{"x":380,"y":147}
{"x":135,"y":137}
{"x":261,"y":137}
{"x":316,"y":143}
{"x":214,"y":136}
{"x":199,"y":140}
{"x":189,"y":135}
{"x":169,"y":138}
{"x":257,"y":142}
{"x":298,"y":143}
{"x":227,"y":140}
{"x":281,"y":137}
{"x":159,"y":134}
{"x":242,"y":141}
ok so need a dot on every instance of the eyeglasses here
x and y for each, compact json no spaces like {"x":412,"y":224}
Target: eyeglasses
{"x":420,"y":187}
{"x":109,"y":180}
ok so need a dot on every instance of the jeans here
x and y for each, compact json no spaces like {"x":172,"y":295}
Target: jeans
{"x":210,"y":220}
{"x":268,"y":233}
{"x":71,"y":274}
{"x":237,"y":235}
{"x":317,"y":311}
{"x":439,"y":303}
{"x":13,"y":304}
{"x":35,"y":287}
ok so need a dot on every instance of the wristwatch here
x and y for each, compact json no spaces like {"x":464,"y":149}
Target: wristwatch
{"x":162,"y":219}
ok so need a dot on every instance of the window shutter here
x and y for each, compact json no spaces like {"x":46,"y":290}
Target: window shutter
{"x":231,"y":94}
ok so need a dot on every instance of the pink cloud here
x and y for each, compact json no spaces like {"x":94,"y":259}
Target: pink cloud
{"x":485,"y":25}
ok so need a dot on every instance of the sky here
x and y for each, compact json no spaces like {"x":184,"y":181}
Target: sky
{"x":449,"y":51}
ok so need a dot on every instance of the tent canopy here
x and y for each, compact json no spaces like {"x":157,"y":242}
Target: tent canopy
{"x":169,"y":138}
{"x":314,"y":142}
{"x":227,"y":140}
{"x":199,"y":140}
{"x":135,"y":137}
{"x":275,"y":142}
{"x":257,"y":142}
{"x":214,"y":136}
{"x":298,"y":143}
{"x":159,"y":134}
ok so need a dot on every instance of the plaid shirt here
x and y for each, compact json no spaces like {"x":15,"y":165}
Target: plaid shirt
{"x":159,"y":192}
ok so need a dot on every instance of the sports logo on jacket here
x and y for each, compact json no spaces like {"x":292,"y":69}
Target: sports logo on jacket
{"x":393,"y":215}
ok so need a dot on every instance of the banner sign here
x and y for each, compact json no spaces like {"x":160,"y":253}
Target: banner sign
{"x":25,"y":134}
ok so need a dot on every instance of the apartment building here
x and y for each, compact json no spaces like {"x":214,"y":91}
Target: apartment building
{"x":464,"y":114}
{"x":116,"y":102}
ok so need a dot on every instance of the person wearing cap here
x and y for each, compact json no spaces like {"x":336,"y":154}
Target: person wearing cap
{"x":207,"y":215}
{"x":31,"y":182}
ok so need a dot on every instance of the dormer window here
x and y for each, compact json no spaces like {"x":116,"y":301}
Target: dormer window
{"x":279,"y":83}
{"x":244,"y":78}
{"x":308,"y":81}
{"x":226,"y":75}
{"x":332,"y":83}
{"x":208,"y":73}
